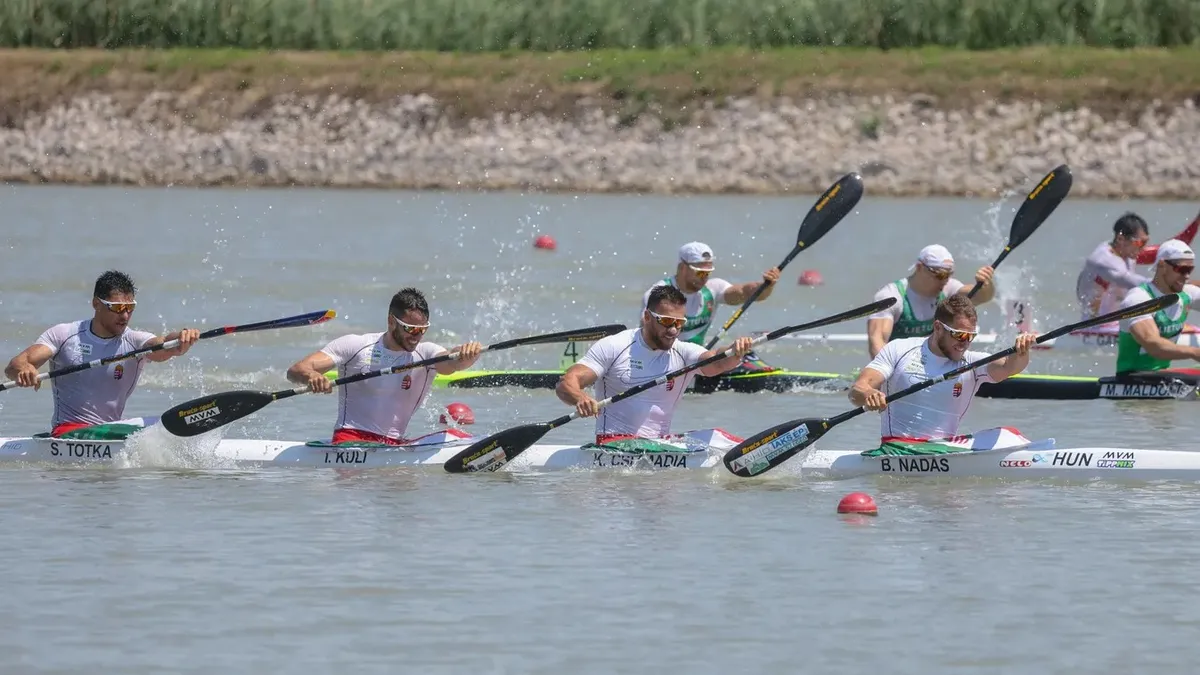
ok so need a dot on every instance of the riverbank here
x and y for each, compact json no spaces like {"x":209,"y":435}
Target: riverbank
{"x":916,"y":122}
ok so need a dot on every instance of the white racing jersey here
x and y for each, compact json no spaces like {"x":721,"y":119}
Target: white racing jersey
{"x":933,"y":412}
{"x":95,"y":395}
{"x":382,"y":405}
{"x":1104,"y":280}
{"x":623,"y":361}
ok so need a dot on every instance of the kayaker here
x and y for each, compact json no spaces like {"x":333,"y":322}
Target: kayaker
{"x":629,"y":358}
{"x":379,"y":410}
{"x":935,"y":412}
{"x":1147,"y":342}
{"x":928,"y":283}
{"x":703,"y":292}
{"x":1109,"y":273}
{"x":90,"y":404}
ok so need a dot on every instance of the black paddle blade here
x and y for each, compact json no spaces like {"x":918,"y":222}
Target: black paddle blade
{"x":839,"y":200}
{"x":199,"y":415}
{"x":768,"y":449}
{"x":1041,"y":202}
{"x":497,"y":450}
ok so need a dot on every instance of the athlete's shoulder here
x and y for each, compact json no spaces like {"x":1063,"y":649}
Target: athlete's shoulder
{"x":1135,"y":295}
{"x":617,"y":340}
{"x":60,"y":332}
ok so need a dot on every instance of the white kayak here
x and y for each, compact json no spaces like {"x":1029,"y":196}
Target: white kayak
{"x":998,"y":453}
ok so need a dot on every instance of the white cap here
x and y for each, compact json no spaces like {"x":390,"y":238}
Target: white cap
{"x":936,"y":256}
{"x":696,"y":253}
{"x":1173,"y":249}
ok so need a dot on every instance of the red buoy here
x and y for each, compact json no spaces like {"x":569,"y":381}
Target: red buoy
{"x":459,"y":412}
{"x":858,"y":502}
{"x":810,"y":278}
{"x":545,"y":242}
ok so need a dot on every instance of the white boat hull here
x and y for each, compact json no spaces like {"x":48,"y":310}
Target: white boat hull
{"x":1036,"y":461}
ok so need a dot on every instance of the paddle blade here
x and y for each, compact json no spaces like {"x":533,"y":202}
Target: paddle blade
{"x":199,"y":415}
{"x":1041,"y":202}
{"x":497,"y":450}
{"x":768,"y":449}
{"x":839,"y":200}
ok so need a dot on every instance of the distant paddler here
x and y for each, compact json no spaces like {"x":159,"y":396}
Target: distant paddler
{"x":929,"y":282}
{"x":90,"y":404}
{"x":1147,"y":342}
{"x":703,"y":292}
{"x":1109,"y":271}
{"x":379,"y":410}
{"x":935,"y":412}
{"x":619,"y":362}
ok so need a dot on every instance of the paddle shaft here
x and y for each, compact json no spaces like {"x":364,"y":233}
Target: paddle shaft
{"x":737,"y":314}
{"x":288,"y":322}
{"x":821,"y":218}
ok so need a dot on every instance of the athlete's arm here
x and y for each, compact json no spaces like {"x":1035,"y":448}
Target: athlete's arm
{"x":986,"y":292}
{"x":878,"y":332}
{"x":740,"y":346}
{"x":740,"y":293}
{"x":865,"y":391}
{"x":1147,"y":335}
{"x":1002,"y":369}
{"x":187,"y":337}
{"x":469,"y":353}
{"x":311,"y":370}
{"x":570,"y":389}
{"x":23,"y":368}
{"x":1119,"y":275}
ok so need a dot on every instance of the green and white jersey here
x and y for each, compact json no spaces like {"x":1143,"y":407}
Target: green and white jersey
{"x":912,"y":315}
{"x":1131,"y":356}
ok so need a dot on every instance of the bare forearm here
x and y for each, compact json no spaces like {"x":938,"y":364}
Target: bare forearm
{"x":569,"y":391}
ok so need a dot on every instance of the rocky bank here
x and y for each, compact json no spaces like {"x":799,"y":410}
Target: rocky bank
{"x":908,"y":146}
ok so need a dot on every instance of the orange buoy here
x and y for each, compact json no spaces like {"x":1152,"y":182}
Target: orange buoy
{"x":858,"y":502}
{"x":545,"y":242}
{"x":459,"y":412}
{"x":810,"y":278}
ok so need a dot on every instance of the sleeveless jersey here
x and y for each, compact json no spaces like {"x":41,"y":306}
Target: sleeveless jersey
{"x":1131,"y":356}
{"x":912,"y":315}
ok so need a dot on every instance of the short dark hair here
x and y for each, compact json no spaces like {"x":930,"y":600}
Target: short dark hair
{"x":955,"y":306}
{"x":111,"y":282}
{"x":1130,"y":224}
{"x":406,"y":299}
{"x":664,"y":294}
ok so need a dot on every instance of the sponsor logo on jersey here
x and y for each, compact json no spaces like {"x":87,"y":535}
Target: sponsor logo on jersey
{"x":406,"y":383}
{"x":118,"y":372}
